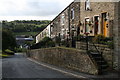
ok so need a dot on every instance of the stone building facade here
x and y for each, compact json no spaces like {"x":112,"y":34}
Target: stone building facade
{"x":59,"y":26}
{"x":87,"y":17}
{"x":74,"y":18}
{"x":44,"y":33}
{"x":97,"y":18}
{"x":83,"y":17}
{"x":67,"y":21}
{"x":74,"y":22}
{"x":65,"y":25}
{"x":55,"y":27}
{"x":102,"y":18}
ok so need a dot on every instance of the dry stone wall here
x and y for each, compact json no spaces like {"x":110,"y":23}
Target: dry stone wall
{"x":68,"y":58}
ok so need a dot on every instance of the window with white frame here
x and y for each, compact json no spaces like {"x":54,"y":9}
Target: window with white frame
{"x":51,"y":28}
{"x":87,"y":5}
{"x":72,"y":13}
{"x":62,"y":19}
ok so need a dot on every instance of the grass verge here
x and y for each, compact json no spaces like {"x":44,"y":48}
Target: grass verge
{"x":4,"y":55}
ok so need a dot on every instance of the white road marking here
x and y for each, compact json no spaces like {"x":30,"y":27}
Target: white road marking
{"x":75,"y":75}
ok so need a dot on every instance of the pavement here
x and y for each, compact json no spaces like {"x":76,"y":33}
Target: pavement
{"x":19,"y":66}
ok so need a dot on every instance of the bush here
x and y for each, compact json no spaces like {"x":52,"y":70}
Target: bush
{"x":80,"y":37}
{"x":7,"y":51}
{"x":110,"y":44}
{"x":20,"y":50}
{"x":100,"y":39}
{"x":57,"y":40}
{"x":46,"y":42}
{"x":50,"y":44}
{"x":64,"y":43}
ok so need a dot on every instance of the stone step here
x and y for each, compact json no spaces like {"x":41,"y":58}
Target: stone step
{"x":98,"y":58}
{"x":103,"y":66}
{"x":95,"y":53}
{"x":101,"y":63}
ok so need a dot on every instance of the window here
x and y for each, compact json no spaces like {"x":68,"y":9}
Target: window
{"x":87,"y":26}
{"x":87,"y":5}
{"x":72,"y":13}
{"x":51,"y":28}
{"x":62,"y":19}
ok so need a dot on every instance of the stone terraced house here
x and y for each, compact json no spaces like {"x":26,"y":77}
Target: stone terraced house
{"x":97,"y":18}
{"x":86,"y":17}
{"x":44,"y":33}
{"x":83,"y":17}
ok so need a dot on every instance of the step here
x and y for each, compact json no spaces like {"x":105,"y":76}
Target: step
{"x":98,"y":58}
{"x":103,"y":66}
{"x":94,"y":53}
{"x":101,"y":63}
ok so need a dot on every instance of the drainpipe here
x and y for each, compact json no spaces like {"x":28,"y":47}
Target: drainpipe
{"x":69,"y":24}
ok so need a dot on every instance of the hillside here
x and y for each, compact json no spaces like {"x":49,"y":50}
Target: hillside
{"x":25,"y":27}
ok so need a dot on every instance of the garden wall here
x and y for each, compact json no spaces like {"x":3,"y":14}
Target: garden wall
{"x":69,"y":58}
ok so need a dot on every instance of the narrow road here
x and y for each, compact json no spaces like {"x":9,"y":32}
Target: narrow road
{"x":18,"y":66}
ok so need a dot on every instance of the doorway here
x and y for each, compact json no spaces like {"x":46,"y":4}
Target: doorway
{"x":104,"y":24}
{"x":96,"y":24}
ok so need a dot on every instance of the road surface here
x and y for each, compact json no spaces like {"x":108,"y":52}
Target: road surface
{"x":19,"y":66}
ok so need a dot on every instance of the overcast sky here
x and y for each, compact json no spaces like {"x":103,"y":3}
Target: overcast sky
{"x":31,"y":9}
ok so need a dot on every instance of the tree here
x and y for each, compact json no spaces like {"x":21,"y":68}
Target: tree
{"x":8,"y":41}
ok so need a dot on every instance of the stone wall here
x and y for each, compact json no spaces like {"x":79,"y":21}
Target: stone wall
{"x":106,"y":51}
{"x":69,"y":58}
{"x":117,"y":36}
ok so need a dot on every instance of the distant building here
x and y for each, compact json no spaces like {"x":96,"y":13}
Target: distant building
{"x":59,"y":26}
{"x":21,"y":39}
{"x":44,"y":33}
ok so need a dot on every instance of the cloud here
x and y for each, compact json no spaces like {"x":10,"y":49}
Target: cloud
{"x":42,"y":8}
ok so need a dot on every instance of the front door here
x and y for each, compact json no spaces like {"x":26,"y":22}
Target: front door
{"x":104,"y":24}
{"x":96,"y":24}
